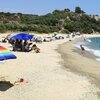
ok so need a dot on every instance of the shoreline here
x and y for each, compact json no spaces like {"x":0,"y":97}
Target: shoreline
{"x":82,"y":65}
{"x":87,"y":54}
{"x":47,"y":77}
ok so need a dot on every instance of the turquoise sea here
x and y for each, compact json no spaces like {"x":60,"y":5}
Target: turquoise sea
{"x":91,"y":44}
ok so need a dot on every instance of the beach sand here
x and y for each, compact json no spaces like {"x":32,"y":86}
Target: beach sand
{"x":46,"y":76}
{"x":82,"y":64}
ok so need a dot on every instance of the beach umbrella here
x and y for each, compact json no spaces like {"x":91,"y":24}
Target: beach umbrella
{"x":6,"y":54}
{"x":22,"y":36}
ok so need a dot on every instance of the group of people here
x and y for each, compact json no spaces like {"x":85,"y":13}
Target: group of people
{"x":24,"y":45}
{"x":19,"y":45}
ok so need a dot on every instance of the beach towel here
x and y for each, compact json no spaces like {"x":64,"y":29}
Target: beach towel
{"x":6,"y":54}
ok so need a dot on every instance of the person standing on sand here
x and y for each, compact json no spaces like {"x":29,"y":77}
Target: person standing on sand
{"x":82,"y":48}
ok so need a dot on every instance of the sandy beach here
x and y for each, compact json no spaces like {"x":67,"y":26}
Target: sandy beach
{"x":85,"y":65}
{"x":51,"y":75}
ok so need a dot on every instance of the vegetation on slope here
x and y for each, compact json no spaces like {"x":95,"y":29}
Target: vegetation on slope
{"x":64,"y":21}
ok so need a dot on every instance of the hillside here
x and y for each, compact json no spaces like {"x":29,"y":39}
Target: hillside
{"x":64,"y":21}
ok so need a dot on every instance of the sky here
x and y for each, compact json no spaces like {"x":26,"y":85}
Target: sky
{"x":42,"y":7}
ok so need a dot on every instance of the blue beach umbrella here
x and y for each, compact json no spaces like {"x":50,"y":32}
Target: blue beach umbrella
{"x":22,"y":36}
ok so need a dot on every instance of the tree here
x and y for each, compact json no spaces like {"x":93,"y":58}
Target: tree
{"x":67,"y":10}
{"x":2,"y":28}
{"x":78,"y":10}
{"x":69,"y":26}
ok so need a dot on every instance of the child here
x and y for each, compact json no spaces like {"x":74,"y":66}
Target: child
{"x":82,"y":48}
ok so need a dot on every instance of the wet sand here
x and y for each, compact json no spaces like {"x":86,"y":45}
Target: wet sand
{"x":85,"y":65}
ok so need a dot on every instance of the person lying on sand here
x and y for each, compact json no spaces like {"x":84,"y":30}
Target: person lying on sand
{"x":35,"y":48}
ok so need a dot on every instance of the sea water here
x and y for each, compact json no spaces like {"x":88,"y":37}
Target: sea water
{"x":91,"y":44}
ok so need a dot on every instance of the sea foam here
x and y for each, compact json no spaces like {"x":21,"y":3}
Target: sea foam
{"x":89,"y":46}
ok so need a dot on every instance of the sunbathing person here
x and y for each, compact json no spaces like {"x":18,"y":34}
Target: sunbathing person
{"x":20,"y":45}
{"x":26,"y":46}
{"x":35,"y":48}
{"x":15,"y":45}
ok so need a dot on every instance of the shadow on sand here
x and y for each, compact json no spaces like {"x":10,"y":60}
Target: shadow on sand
{"x":5,"y":85}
